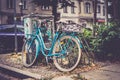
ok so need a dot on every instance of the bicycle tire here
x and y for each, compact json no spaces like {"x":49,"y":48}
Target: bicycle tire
{"x":29,"y":55}
{"x":71,"y":47}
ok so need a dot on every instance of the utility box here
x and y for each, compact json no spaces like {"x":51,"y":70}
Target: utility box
{"x":46,"y":21}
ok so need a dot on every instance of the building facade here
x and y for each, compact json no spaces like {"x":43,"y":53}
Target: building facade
{"x":7,"y":10}
{"x":70,"y":13}
{"x":101,"y":11}
{"x":114,"y":10}
{"x":86,"y":13}
{"x":80,"y":13}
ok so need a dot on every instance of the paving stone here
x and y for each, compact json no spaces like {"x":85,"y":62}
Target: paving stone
{"x":105,"y":73}
{"x":63,"y":78}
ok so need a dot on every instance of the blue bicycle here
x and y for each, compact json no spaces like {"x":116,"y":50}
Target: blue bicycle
{"x":65,"y":48}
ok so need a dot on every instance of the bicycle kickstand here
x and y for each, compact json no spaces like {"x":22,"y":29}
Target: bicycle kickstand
{"x":46,"y":60}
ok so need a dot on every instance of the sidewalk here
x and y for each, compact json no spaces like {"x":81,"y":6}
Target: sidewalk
{"x":111,"y":72}
{"x":108,"y":71}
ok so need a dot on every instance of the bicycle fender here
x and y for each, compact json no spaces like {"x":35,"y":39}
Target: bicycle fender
{"x":78,"y":41}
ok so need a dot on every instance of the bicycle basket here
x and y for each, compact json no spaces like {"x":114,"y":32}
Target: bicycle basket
{"x":72,"y":28}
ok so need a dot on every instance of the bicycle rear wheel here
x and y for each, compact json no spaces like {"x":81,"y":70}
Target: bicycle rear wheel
{"x":69,"y":52}
{"x":29,"y":52}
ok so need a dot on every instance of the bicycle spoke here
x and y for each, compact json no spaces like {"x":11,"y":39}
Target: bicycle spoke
{"x":29,"y":57}
{"x":71,"y":56}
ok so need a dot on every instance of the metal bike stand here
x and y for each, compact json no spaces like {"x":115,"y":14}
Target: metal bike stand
{"x":87,"y":50}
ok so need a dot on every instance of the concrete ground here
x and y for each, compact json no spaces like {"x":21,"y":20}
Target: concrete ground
{"x":111,"y":72}
{"x":107,"y":72}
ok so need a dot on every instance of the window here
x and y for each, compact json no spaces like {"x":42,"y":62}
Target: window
{"x":103,"y":10}
{"x":65,"y":9}
{"x":10,"y":4}
{"x":45,"y":7}
{"x":79,"y":7}
{"x":87,"y":7}
{"x":24,"y":4}
{"x":72,"y":8}
{"x":98,"y":9}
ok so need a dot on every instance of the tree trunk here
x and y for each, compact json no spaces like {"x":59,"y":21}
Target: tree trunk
{"x":95,"y":15}
{"x":54,"y":12}
{"x":106,"y":12}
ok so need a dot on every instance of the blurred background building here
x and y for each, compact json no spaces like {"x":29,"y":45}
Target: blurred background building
{"x":81,"y":13}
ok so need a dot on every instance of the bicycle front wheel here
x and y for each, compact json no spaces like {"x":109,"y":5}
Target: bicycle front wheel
{"x":68,"y":53}
{"x":29,"y":52}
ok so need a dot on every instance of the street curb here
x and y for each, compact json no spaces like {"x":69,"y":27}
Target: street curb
{"x":27,"y":73}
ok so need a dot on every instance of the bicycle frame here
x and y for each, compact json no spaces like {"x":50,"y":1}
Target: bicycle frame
{"x":41,"y":47}
{"x":41,"y":44}
{"x":73,"y":34}
{"x":63,"y":45}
